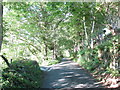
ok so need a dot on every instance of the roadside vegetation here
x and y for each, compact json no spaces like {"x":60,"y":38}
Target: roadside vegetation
{"x":34,"y":34}
{"x":22,"y":74}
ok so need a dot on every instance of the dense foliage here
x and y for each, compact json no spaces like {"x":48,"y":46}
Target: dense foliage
{"x":22,"y":74}
{"x":48,"y":31}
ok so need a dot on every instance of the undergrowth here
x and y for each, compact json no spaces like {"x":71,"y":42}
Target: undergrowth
{"x":90,"y":59}
{"x":22,"y":74}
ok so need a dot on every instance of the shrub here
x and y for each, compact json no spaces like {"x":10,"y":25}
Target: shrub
{"x":22,"y":74}
{"x":53,"y":62}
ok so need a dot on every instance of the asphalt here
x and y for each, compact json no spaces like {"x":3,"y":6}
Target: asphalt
{"x":68,"y":74}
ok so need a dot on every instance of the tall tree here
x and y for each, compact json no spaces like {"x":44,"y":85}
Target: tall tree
{"x":1,"y":24}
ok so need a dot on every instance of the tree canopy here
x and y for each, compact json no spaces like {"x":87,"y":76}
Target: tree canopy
{"x":47,"y":31}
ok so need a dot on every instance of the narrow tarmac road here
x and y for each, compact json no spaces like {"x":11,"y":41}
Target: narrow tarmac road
{"x":68,"y":74}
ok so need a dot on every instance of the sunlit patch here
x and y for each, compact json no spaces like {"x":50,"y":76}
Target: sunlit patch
{"x":81,"y":86}
{"x":61,"y":80}
{"x":69,"y":76}
{"x":77,"y":75}
{"x":66,"y":53}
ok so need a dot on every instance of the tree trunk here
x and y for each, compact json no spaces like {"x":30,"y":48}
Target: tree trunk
{"x":46,"y":52}
{"x":85,"y":29}
{"x":1,"y":24}
{"x":54,"y":52}
{"x":91,"y":44}
{"x":119,"y":15}
{"x":1,"y":31}
{"x":86,"y":35}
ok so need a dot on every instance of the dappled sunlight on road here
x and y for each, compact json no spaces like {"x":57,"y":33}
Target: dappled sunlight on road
{"x":68,"y":74}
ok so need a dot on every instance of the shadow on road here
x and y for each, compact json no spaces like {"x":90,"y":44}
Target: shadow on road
{"x":68,"y":74}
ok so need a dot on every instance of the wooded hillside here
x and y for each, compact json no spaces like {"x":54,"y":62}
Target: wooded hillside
{"x":87,"y":33}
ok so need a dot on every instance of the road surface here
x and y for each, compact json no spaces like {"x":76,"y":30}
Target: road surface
{"x":68,"y":74}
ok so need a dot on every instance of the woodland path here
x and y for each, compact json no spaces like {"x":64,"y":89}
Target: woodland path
{"x":68,"y":74}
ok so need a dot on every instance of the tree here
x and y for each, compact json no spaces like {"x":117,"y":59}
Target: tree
{"x":1,"y":24}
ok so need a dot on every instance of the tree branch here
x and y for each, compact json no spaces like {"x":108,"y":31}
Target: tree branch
{"x":6,"y":61}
